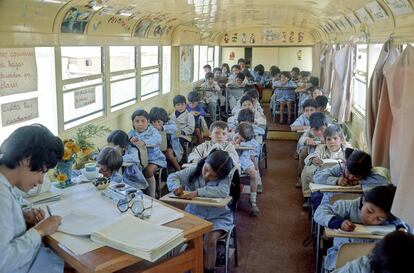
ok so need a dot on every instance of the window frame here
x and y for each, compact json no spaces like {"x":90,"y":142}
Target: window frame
{"x":142,"y":72}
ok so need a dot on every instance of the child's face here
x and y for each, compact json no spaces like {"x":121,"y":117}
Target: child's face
{"x":247,"y":104}
{"x":217,"y":74}
{"x":180,"y":107}
{"x":210,"y":81}
{"x":333,"y":142}
{"x":104,"y":170}
{"x":372,"y":214}
{"x":224,"y":69}
{"x":321,"y":109}
{"x":194,"y":104}
{"x":293,"y":74}
{"x":158,"y":124}
{"x":242,"y":66}
{"x":238,"y":139}
{"x":350,"y":176}
{"x":318,"y":132}
{"x":206,"y":70}
{"x":309,"y":111}
{"x":218,"y":135}
{"x":238,"y":81}
{"x":140,"y":123}
{"x":283,"y":79}
{"x":208,"y":173}
{"x":276,"y":77}
{"x":235,"y":71}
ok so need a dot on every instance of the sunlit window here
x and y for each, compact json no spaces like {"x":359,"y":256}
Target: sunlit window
{"x":216,"y":56}
{"x":166,"y":69}
{"x":203,"y":61}
{"x":150,"y":71}
{"x":196,"y":63}
{"x":374,"y":52}
{"x":80,"y":61}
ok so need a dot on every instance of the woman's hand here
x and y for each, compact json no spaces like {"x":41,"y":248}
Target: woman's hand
{"x":48,"y":226}
{"x":347,"y":225}
{"x":33,"y":216}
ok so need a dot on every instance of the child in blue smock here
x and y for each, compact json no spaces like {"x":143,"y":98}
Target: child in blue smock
{"x":132,"y":172}
{"x":393,"y":254}
{"x":284,"y":95}
{"x":160,"y":120}
{"x":210,"y":178}
{"x":302,"y":90}
{"x":194,"y":107}
{"x":185,"y":120}
{"x":109,"y":161}
{"x":245,"y":138}
{"x":373,"y":208}
{"x":302,"y":122}
{"x":145,"y":134}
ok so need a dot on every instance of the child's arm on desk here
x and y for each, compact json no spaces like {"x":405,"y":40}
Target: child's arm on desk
{"x":333,"y":216}
{"x":328,"y":176}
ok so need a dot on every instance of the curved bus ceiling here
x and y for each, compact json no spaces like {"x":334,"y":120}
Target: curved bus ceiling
{"x":211,"y":21}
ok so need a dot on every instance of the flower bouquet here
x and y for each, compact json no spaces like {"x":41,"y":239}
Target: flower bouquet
{"x":64,"y":166}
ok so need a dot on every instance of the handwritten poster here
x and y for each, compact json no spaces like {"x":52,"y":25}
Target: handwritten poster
{"x":18,"y":71}
{"x":186,"y":63}
{"x":84,"y":97}
{"x":19,"y":111}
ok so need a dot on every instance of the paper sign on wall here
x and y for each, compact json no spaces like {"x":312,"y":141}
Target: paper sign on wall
{"x":19,"y":111}
{"x":364,"y":16}
{"x":377,"y":12}
{"x":84,"y":97}
{"x":18,"y":71}
{"x":399,"y":7}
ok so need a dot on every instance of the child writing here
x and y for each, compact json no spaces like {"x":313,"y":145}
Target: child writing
{"x":393,"y":254}
{"x":322,"y":102}
{"x":211,"y":96}
{"x":132,"y":174}
{"x":185,"y":121}
{"x":109,"y":161}
{"x":219,"y":135}
{"x":373,"y":208}
{"x":144,"y":134}
{"x":197,"y":110}
{"x":284,"y":94}
{"x":302,"y":122}
{"x":160,"y":120}
{"x":334,"y":148}
{"x":208,"y":179}
{"x":245,"y":138}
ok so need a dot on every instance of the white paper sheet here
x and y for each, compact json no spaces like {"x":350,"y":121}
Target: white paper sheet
{"x":79,"y":223}
{"x":79,"y":245}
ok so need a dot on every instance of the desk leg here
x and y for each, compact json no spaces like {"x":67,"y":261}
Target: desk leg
{"x":199,"y":255}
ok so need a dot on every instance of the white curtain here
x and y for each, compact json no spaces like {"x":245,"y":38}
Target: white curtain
{"x":341,"y":95}
{"x":399,"y":77}
{"x":327,"y":69}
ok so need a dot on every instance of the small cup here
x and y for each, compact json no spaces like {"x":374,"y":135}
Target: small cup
{"x":90,"y":167}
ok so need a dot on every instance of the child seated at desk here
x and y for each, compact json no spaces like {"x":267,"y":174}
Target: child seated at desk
{"x":210,"y":98}
{"x":219,"y":141}
{"x":322,"y":103}
{"x":302,"y":90}
{"x":109,"y":161}
{"x":393,"y":254}
{"x":302,"y":122}
{"x":235,"y":89}
{"x":145,"y":134}
{"x":132,"y":174}
{"x":334,"y":148}
{"x":373,"y":208}
{"x":284,"y":94}
{"x":247,"y":102}
{"x":198,"y":112}
{"x":160,"y":120}
{"x":185,"y":120}
{"x":235,"y":69}
{"x":256,"y":104}
{"x":245,"y":138}
{"x":210,"y":178}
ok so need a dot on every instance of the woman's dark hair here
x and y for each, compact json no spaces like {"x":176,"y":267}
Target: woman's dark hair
{"x":317,"y":120}
{"x":35,"y":142}
{"x":246,"y":98}
{"x":193,"y":96}
{"x":139,"y":113}
{"x":119,"y":138}
{"x":220,"y":161}
{"x":358,"y":163}
{"x":209,"y":75}
{"x":111,"y":158}
{"x":393,"y":254}
{"x":246,"y":115}
{"x":179,"y":99}
{"x":158,"y":113}
{"x":286,"y":74}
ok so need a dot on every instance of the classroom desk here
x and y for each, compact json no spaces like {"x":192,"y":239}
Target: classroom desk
{"x":244,"y":148}
{"x":331,"y":233}
{"x":106,"y":259}
{"x":221,"y":202}
{"x":331,"y":188}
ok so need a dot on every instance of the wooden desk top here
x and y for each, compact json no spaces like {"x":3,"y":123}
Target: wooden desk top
{"x":222,"y":202}
{"x":106,"y":259}
{"x":331,"y":233}
{"x":331,"y":188}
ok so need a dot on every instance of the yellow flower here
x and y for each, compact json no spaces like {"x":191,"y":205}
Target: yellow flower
{"x":61,"y":177}
{"x":86,"y":151}
{"x":67,"y":154}
{"x":70,"y":144}
{"x":76,"y":148}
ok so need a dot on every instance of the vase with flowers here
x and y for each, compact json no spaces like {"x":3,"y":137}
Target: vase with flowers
{"x":64,"y":166}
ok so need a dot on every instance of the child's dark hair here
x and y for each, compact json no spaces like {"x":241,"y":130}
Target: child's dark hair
{"x":317,"y":120}
{"x":139,"y":113}
{"x":246,"y":115}
{"x":382,"y":197}
{"x":179,"y":99}
{"x":321,"y":101}
{"x":194,"y":96}
{"x":314,"y":81}
{"x":393,"y":254}
{"x":310,"y":103}
{"x":217,"y":69}
{"x":209,"y":75}
{"x":259,"y":69}
{"x":304,"y":74}
{"x":358,"y":163}
{"x":158,"y":113}
{"x":247,"y":73}
{"x":240,"y":76}
{"x":119,"y":138}
{"x":111,"y":158}
{"x":286,"y":74}
{"x":218,"y":124}
{"x":274,"y":70}
{"x":252,"y":93}
{"x":226,"y":65}
{"x":207,"y":66}
{"x":235,"y":66}
{"x":246,"y":98}
{"x":245,"y":130}
{"x":220,"y":161}
{"x":35,"y":142}
{"x":241,"y":60}
{"x":296,"y":69}
{"x":333,"y":129}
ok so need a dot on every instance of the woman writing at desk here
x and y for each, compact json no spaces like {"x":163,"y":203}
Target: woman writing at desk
{"x":25,"y":157}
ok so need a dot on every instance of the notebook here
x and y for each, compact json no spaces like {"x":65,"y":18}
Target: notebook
{"x":374,"y":230}
{"x":139,"y":238}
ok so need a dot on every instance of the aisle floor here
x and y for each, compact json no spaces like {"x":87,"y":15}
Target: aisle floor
{"x":272,"y":242}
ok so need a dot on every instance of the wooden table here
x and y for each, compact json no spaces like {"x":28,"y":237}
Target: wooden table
{"x":221,"y":202}
{"x":331,"y":233}
{"x":106,"y":259}
{"x":332,"y":188}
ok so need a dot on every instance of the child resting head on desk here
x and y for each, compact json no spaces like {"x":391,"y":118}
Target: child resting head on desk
{"x":109,"y":161}
{"x":373,"y":208}
{"x":393,"y":254}
{"x":210,"y":178}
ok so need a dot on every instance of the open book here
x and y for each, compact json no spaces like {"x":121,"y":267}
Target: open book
{"x":139,"y":238}
{"x":374,"y":230}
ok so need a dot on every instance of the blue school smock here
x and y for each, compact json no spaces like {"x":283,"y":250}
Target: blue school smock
{"x":246,"y":161}
{"x":360,"y":265}
{"x":21,"y":248}
{"x":151,"y":136}
{"x":132,"y":175}
{"x":170,"y":127}
{"x":283,"y":95}
{"x":199,"y":109}
{"x":302,"y":120}
{"x":222,"y":218}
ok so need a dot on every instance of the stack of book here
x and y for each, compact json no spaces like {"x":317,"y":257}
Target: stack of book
{"x":139,"y":238}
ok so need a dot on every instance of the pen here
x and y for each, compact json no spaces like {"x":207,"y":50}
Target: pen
{"x":48,"y":210}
